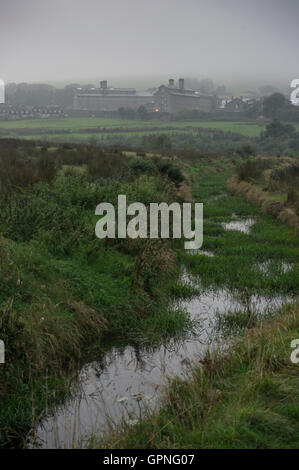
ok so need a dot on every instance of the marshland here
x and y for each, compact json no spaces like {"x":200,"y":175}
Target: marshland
{"x":110,"y":340}
{"x":117,"y":331}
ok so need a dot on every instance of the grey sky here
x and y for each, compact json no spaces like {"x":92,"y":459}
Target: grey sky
{"x":68,"y":39}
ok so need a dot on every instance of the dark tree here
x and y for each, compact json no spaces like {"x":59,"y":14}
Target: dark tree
{"x":273,"y":105}
{"x":142,"y":113}
{"x":278,"y":129}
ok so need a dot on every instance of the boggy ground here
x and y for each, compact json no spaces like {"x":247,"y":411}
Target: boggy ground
{"x":248,"y":396}
{"x":62,"y":290}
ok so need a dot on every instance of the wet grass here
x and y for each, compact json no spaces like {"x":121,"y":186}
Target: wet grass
{"x":62,"y":290}
{"x":56,"y":303}
{"x":236,"y":253}
{"x":246,"y":398}
{"x":55,"y":312}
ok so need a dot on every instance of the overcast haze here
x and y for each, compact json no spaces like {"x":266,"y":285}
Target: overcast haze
{"x":71,"y":39}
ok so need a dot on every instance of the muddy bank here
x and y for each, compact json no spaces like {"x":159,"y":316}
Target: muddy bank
{"x":256,"y":196}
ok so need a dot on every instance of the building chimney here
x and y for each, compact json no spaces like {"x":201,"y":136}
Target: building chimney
{"x":171,"y":83}
{"x":181,"y":84}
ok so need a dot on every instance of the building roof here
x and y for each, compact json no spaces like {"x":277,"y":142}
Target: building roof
{"x":176,"y":89}
{"x":192,"y":95}
{"x":112,"y":95}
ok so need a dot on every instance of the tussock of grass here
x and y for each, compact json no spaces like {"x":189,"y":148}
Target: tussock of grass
{"x":236,"y":322}
{"x":183,"y":291}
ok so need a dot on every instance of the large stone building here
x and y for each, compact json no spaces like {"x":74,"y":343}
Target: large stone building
{"x":111,"y":99}
{"x":171,"y":99}
{"x":167,"y":99}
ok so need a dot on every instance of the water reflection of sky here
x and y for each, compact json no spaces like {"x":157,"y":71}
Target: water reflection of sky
{"x":128,"y":380}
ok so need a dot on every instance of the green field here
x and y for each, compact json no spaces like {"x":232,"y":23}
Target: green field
{"x":105,"y":124}
{"x":218,"y":137}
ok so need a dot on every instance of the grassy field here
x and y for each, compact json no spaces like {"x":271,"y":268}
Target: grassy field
{"x":77,"y":137}
{"x":218,"y":137}
{"x":76,"y":124}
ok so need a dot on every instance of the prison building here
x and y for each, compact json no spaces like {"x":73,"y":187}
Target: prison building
{"x":111,"y":99}
{"x":170,"y":98}
{"x":166,"y":99}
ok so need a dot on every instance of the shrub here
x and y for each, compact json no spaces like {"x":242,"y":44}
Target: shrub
{"x":174,"y":173}
{"x":141,"y":165}
{"x":248,"y":170}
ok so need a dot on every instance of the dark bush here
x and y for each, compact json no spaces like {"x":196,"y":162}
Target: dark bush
{"x":140,"y":165}
{"x":249,"y":170}
{"x":174,"y":173}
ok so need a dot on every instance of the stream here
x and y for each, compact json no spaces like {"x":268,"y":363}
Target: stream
{"x":128,"y":380}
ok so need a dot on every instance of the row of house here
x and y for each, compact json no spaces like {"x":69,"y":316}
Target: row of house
{"x":234,"y":104}
{"x":9,"y":111}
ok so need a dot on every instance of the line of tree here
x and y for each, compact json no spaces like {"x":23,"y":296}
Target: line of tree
{"x":39,"y":94}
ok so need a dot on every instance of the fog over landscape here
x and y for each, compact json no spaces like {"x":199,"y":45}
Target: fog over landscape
{"x":149,"y":221}
{"x":45,"y":40}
